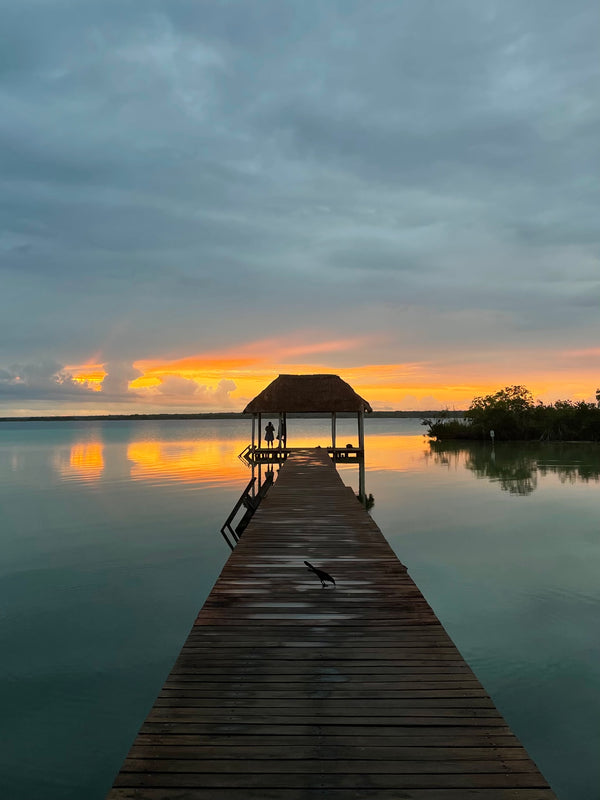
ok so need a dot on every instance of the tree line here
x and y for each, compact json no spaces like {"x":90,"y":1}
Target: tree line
{"x":511,"y":414}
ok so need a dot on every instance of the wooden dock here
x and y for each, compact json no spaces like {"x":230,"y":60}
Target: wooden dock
{"x":262,"y":455}
{"x":285,"y":689}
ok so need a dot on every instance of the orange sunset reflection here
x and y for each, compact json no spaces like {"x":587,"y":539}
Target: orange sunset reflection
{"x":214,"y":461}
{"x":85,"y":462}
{"x":205,"y":461}
{"x":402,"y":453}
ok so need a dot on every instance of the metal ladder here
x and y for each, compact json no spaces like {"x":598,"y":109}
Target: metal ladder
{"x":250,"y":503}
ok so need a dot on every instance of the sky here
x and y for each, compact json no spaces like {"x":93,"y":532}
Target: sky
{"x":199,"y":195}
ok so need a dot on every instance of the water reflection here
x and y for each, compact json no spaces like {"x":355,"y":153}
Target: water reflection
{"x":165,"y":461}
{"x":84,"y":461}
{"x":209,"y":461}
{"x":517,"y":467}
{"x":108,"y":574}
{"x":185,"y":461}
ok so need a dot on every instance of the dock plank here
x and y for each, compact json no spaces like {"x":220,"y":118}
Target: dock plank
{"x":287,"y":689}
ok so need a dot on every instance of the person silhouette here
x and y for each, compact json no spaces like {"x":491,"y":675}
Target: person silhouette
{"x":269,"y":434}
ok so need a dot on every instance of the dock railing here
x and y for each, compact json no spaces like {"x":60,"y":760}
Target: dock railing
{"x":268,"y":455}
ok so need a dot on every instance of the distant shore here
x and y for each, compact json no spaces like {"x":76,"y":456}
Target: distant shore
{"x":220,"y":415}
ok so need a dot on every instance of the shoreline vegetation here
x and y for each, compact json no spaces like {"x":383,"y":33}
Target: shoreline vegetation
{"x":512,"y":415}
{"x":517,"y":467}
{"x":223,"y":415}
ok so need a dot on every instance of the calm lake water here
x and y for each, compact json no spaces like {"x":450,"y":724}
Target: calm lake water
{"x":110,"y":544}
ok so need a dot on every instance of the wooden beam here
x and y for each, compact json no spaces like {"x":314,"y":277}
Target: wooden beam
{"x":361,"y":431}
{"x":362,"y":492}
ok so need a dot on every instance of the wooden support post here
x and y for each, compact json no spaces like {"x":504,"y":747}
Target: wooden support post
{"x":361,"y":480}
{"x":253,"y":430}
{"x":361,"y":431}
{"x":259,"y":430}
{"x":333,"y":431}
{"x":284,"y":429}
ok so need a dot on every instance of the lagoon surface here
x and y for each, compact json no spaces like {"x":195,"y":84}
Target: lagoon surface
{"x":110,"y":543}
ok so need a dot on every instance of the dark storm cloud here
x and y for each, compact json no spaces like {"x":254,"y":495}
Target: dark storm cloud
{"x":171,"y":170}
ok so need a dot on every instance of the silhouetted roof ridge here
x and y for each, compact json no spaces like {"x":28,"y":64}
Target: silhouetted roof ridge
{"x":314,"y":393}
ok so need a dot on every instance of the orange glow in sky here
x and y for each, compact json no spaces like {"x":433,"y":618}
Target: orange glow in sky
{"x":228,"y":379}
{"x":90,"y":374}
{"x":386,"y":386}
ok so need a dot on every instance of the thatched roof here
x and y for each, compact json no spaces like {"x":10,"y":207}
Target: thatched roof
{"x":307,"y":393}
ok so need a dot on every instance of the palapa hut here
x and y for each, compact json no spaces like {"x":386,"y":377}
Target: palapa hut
{"x":308,"y":394}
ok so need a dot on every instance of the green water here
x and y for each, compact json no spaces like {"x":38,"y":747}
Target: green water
{"x":109,"y":545}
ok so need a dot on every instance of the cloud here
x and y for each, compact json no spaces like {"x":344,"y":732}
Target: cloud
{"x":175,"y":385}
{"x":47,"y":380}
{"x":413,"y":175}
{"x":179,"y":391}
{"x":52,"y":382}
{"x":218,"y":396}
{"x":251,"y":354}
{"x":119,"y":375}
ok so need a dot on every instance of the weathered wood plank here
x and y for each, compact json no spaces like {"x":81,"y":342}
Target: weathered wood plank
{"x":323,"y":766}
{"x":373,"y":779}
{"x":199,"y":750}
{"x":418,"y":717}
{"x":338,"y":706}
{"x":286,"y":689}
{"x":442,"y":738}
{"x":349,"y":793}
{"x":366,"y":731}
{"x":374,"y":691}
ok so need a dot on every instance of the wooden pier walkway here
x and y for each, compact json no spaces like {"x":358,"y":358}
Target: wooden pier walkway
{"x":288,"y":690}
